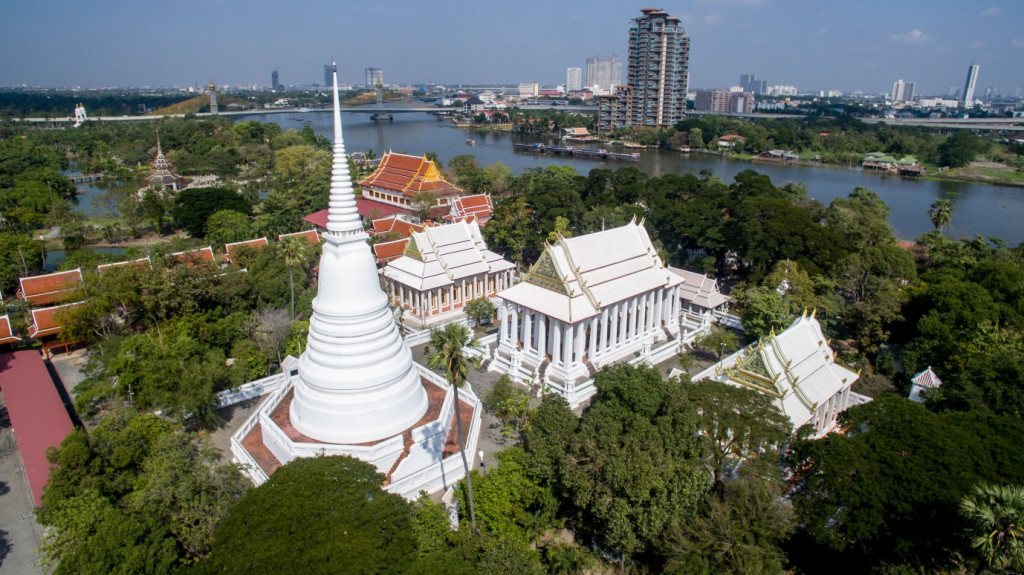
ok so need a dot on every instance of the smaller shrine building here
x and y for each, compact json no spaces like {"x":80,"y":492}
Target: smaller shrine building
{"x":399,"y":178}
{"x":441,"y":269}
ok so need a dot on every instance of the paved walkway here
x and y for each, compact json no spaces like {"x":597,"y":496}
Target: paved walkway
{"x":20,"y":534}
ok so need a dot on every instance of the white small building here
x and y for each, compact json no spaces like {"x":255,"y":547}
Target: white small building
{"x":588,"y":302}
{"x":799,"y":370}
{"x":927,"y":380}
{"x":441,"y":270}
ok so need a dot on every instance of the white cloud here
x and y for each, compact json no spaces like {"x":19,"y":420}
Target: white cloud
{"x":1017,"y":43}
{"x":992,"y":12}
{"x":915,"y":36}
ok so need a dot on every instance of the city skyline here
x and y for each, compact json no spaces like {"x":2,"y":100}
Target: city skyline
{"x":796,"y":42}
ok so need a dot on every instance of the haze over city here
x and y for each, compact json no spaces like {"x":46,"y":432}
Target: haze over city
{"x":812,"y":45}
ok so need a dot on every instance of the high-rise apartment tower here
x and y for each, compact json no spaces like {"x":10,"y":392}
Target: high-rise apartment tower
{"x":605,"y":73}
{"x":972,"y":80}
{"x":573,"y":79}
{"x":902,"y":91}
{"x":658,"y":69}
{"x":374,"y":76}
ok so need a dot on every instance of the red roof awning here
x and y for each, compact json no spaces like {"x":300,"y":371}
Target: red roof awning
{"x":38,"y":416}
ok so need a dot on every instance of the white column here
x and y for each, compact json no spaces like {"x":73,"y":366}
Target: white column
{"x":634,"y":316}
{"x":567,"y":345}
{"x":502,"y":323}
{"x":527,"y":329}
{"x":661,"y":307}
{"x":613,"y":331}
{"x":556,"y":342}
{"x":514,"y":332}
{"x":542,"y":335}
{"x":593,"y":337}
{"x":579,"y":339}
{"x":602,"y":337}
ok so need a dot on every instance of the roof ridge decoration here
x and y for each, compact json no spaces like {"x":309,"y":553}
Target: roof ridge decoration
{"x":342,"y":215}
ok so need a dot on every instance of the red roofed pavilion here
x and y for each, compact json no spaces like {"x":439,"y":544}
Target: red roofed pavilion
{"x":39,"y":419}
{"x":50,"y":288}
{"x":393,"y":224}
{"x":399,"y":178}
{"x":6,"y":333}
{"x":231,"y":248}
{"x":309,"y":235}
{"x":195,"y":257}
{"x":479,"y":206}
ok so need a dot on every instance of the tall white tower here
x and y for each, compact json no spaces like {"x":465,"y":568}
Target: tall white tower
{"x":357,"y":382}
{"x":972,"y":80}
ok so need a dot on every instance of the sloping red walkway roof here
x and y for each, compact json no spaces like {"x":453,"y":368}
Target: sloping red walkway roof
{"x":50,"y":288}
{"x":45,"y":321}
{"x":38,"y":416}
{"x":6,"y":333}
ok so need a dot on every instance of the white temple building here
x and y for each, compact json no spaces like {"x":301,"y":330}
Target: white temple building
{"x":588,"y":301}
{"x":356,"y":390}
{"x":441,"y":270}
{"x":798,"y":369}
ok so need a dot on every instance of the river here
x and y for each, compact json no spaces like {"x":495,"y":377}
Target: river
{"x":991,"y":211}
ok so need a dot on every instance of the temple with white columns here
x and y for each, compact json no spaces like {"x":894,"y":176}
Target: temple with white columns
{"x":356,"y":390}
{"x":588,"y":301}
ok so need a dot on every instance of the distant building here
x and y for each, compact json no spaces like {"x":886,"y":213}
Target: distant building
{"x":275,"y":85}
{"x":751,"y":84}
{"x":374,"y":76}
{"x":327,"y":74}
{"x":902,"y":91}
{"x":658,"y":70}
{"x":162,"y":177}
{"x":573,"y":79}
{"x":604,"y":73}
{"x":969,"y":85}
{"x":724,"y":101}
{"x":529,"y":90}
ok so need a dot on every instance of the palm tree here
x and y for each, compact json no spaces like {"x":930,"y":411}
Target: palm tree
{"x":445,"y":352}
{"x":997,"y":515}
{"x":294,"y":251}
{"x":941,"y":213}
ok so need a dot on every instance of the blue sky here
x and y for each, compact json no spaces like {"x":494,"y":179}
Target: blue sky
{"x":812,"y":44}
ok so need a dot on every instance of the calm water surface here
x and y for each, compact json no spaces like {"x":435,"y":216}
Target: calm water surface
{"x":991,"y":211}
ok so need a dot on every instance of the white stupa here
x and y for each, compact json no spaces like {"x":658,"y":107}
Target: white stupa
{"x":356,"y":390}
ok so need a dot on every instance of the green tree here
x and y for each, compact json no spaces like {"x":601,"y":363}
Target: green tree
{"x":631,"y":467}
{"x":445,"y":352}
{"x":479,"y":310}
{"x":193,"y":207}
{"x":996,"y":513}
{"x":316,"y":515}
{"x":941,"y":213}
{"x":764,"y":310}
{"x":228,"y":226}
{"x":294,"y":251}
{"x":156,"y":205}
{"x":960,"y":149}
{"x":423,"y":205}
{"x":509,"y":231}
{"x":738,"y":427}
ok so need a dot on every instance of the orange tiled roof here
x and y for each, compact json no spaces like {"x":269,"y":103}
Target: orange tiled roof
{"x":479,"y":205}
{"x":50,"y":288}
{"x":6,"y":333}
{"x":197,"y":256}
{"x":310,"y":235}
{"x":409,"y":175}
{"x":45,"y":321}
{"x":393,"y":224}
{"x":141,"y":263}
{"x":388,"y":251}
{"x":256,"y":243}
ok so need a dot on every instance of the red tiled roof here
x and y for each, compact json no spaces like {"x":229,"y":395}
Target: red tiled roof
{"x":394,"y":224}
{"x":479,"y":205}
{"x":229,"y":249}
{"x":409,"y":175}
{"x":6,"y":333}
{"x":141,"y":263}
{"x":193,"y":257}
{"x":318,"y":219}
{"x":310,"y":235}
{"x":388,"y":251}
{"x":45,"y":320}
{"x":50,"y":288}
{"x":38,"y":417}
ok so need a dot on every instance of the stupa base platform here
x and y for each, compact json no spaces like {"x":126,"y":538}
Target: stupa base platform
{"x":424,"y":457}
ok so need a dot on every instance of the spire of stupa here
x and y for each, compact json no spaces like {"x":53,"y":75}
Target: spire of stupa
{"x":357,"y":381}
{"x":342,"y":215}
